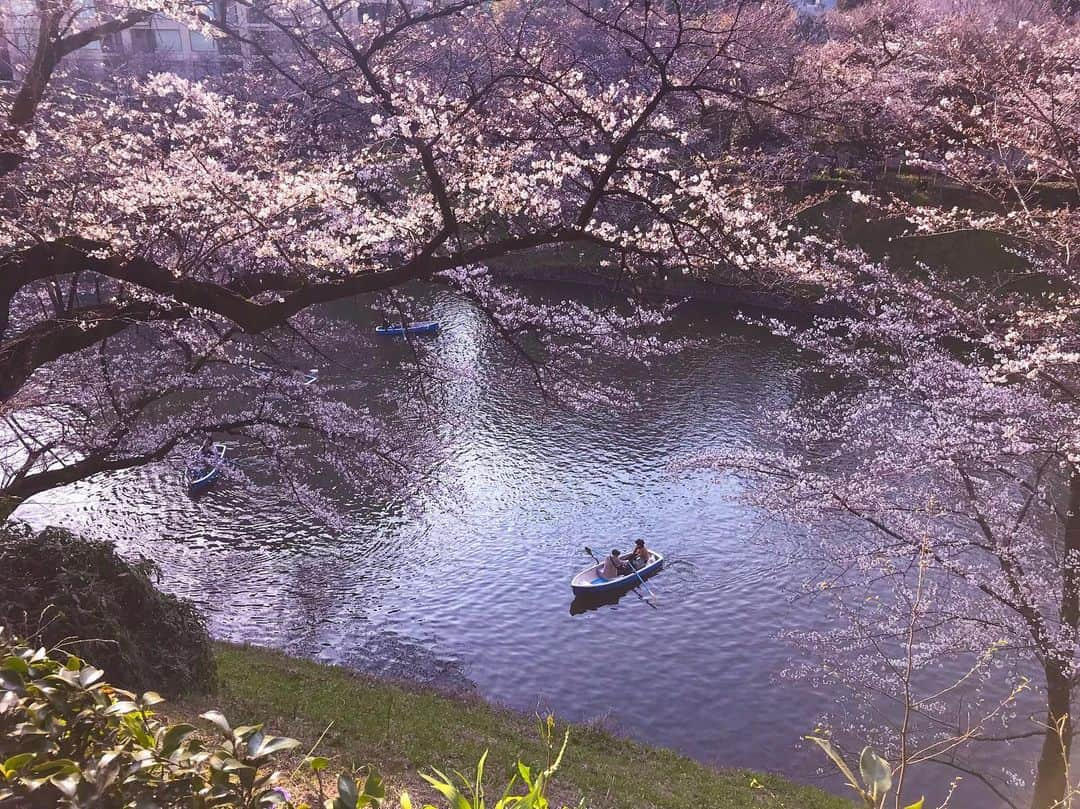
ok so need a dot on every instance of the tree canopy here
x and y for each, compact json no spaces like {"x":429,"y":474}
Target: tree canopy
{"x":159,"y":233}
{"x":167,"y":246}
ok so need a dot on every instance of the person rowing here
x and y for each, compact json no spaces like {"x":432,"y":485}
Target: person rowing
{"x":640,"y":556}
{"x":614,"y":565}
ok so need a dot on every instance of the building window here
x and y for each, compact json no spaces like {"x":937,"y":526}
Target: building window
{"x":112,"y":43}
{"x":169,"y":41}
{"x":147,"y":40}
{"x":143,"y":40}
{"x":202,"y":44}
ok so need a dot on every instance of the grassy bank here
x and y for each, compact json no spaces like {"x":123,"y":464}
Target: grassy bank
{"x":400,"y":730}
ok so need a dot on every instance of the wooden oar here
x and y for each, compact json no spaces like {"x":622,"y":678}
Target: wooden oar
{"x":651,"y":601}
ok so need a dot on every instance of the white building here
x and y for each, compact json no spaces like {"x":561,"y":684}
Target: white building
{"x":163,"y":44}
{"x":159,"y":43}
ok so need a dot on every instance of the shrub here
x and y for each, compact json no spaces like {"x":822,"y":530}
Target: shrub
{"x":58,"y":588}
{"x":69,"y":739}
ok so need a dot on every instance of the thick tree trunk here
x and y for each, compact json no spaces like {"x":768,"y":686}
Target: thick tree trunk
{"x":46,"y":56}
{"x":30,"y":92}
{"x":7,"y":66}
{"x":7,"y":506}
{"x":1051,"y":777}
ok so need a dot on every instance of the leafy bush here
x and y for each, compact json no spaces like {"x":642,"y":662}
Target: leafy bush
{"x":56,"y":587}
{"x":69,"y":739}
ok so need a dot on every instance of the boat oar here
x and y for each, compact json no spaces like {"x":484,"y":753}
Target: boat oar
{"x":652,"y":597}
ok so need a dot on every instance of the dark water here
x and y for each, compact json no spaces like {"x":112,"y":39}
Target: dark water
{"x":471,"y":585}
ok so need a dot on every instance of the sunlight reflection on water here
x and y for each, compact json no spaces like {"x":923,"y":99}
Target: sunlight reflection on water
{"x":473,"y":588}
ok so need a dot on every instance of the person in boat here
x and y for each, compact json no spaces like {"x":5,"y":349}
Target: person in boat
{"x":614,"y":566}
{"x":639,"y":557}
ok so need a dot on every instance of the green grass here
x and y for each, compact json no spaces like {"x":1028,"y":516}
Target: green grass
{"x":400,"y":730}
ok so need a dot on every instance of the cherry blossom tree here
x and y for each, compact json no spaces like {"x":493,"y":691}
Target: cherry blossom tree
{"x":946,"y":451}
{"x":167,"y":241}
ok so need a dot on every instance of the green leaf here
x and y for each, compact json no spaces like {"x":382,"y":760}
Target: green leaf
{"x":405,"y":800}
{"x":88,"y":675}
{"x":174,"y":736}
{"x":374,"y":790}
{"x":525,"y":773}
{"x":838,"y":760}
{"x":917,"y":805}
{"x":133,"y":723}
{"x":57,"y":767}
{"x":17,"y":664}
{"x":876,"y":773}
{"x":124,"y":706}
{"x":274,"y":744}
{"x":317,"y":763}
{"x":478,"y":788}
{"x":15,"y":763}
{"x":347,"y":791}
{"x":218,"y":718}
{"x":68,"y":783}
{"x":446,"y":787}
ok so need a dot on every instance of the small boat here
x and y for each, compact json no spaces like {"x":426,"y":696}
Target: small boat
{"x":590,"y":582}
{"x":202,"y":477}
{"x":424,"y":327}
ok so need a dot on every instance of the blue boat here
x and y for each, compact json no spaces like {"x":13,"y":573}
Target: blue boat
{"x":590,"y":582}
{"x":202,"y":478}
{"x":424,"y":327}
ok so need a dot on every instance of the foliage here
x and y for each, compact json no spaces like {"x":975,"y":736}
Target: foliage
{"x":942,"y":466}
{"x":874,"y":780}
{"x":62,"y":589}
{"x":159,"y":230}
{"x":203,"y":222}
{"x":69,"y":739}
{"x":470,"y":793}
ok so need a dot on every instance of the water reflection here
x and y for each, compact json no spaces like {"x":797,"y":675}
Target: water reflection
{"x":467,"y":583}
{"x":586,"y":603}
